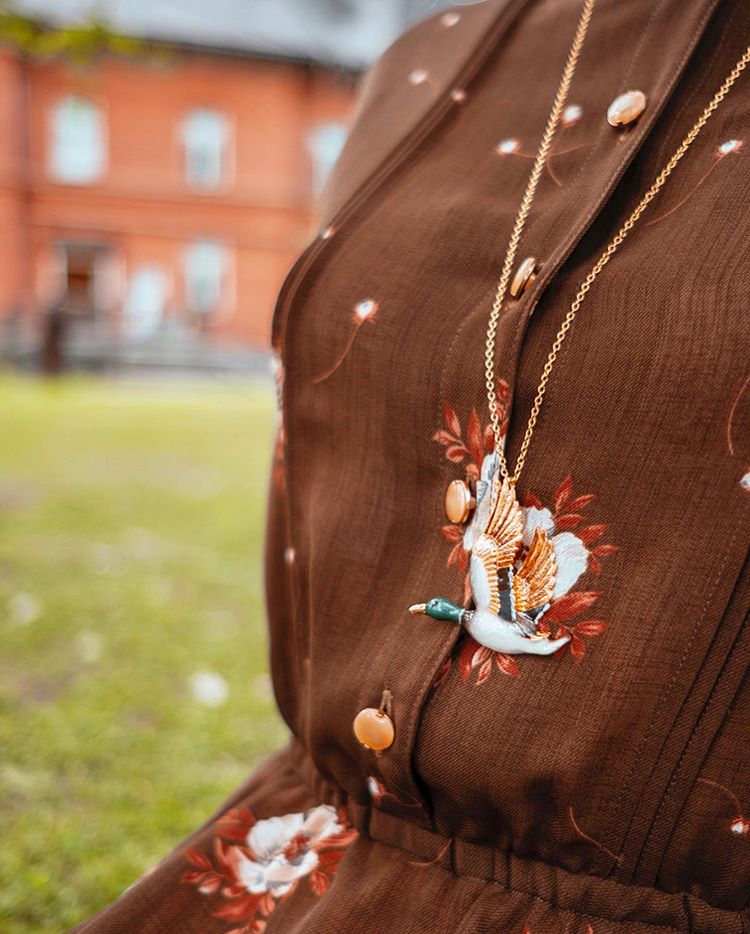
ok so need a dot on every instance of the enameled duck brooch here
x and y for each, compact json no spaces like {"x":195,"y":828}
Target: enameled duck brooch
{"x":508,"y":603}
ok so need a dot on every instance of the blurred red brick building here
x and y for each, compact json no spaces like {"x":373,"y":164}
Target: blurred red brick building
{"x":153,"y":204}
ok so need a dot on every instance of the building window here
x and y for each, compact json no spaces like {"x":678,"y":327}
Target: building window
{"x":205,"y":139}
{"x":206,"y":268}
{"x":145,"y":302}
{"x":78,"y":142}
{"x":324,"y":144}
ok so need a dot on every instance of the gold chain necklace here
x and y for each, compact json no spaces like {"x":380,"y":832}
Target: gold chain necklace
{"x":509,"y":601}
{"x":610,"y":250}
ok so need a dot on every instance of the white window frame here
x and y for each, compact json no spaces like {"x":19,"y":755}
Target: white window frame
{"x":77,"y":155}
{"x":195,"y":130}
{"x":207,"y":251}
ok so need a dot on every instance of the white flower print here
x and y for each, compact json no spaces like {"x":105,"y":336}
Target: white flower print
{"x":364,"y":310}
{"x":507,"y":147}
{"x":284,"y":849}
{"x":258,"y":863}
{"x":571,"y":553}
{"x":730,"y":145}
{"x":571,"y":114}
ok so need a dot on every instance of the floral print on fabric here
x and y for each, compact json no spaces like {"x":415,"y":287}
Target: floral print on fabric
{"x":256,"y":863}
{"x":727,"y":148}
{"x":578,"y":545}
{"x":738,"y":824}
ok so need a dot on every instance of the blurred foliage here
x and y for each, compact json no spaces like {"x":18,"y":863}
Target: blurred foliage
{"x":131,"y":535}
{"x":80,"y":43}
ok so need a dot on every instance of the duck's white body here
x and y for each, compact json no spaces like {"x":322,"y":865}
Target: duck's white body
{"x":501,"y":636}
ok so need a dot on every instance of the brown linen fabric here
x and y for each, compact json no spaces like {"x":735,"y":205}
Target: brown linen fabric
{"x":605,"y":789}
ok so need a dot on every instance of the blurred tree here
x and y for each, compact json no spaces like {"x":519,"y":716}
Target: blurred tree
{"x":81,"y":43}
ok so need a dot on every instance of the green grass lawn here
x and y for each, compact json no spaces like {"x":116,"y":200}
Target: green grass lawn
{"x":131,"y":527}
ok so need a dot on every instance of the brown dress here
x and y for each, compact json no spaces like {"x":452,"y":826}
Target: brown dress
{"x":604,"y":789}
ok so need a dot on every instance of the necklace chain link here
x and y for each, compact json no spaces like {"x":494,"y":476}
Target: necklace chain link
{"x":604,"y":258}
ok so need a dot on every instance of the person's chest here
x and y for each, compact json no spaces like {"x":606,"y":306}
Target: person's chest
{"x":640,"y":460}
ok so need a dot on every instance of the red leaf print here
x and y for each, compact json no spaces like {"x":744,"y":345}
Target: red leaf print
{"x":489,"y":440}
{"x":568,"y":521}
{"x":595,"y":565}
{"x":581,"y":502}
{"x":451,"y":419}
{"x":442,"y":672}
{"x":532,"y":499}
{"x":266,"y":900}
{"x":577,"y":647}
{"x":210,"y":884}
{"x":455,"y":556}
{"x":198,"y":859}
{"x":590,"y":627}
{"x":481,"y":654}
{"x":591,"y":533}
{"x":222,"y":851}
{"x":319,"y":882}
{"x":452,"y":533}
{"x":463,"y":563}
{"x":466,"y":656}
{"x":232,"y":891}
{"x":474,"y":439}
{"x":193,"y":876}
{"x":236,"y":834}
{"x":444,"y":437}
{"x":507,"y":664}
{"x":569,"y":606}
{"x":330,"y":858}
{"x":456,"y":453}
{"x":240,"y":909}
{"x":564,"y":492}
{"x":237,"y":816}
{"x":601,"y":551}
{"x":485,"y":671}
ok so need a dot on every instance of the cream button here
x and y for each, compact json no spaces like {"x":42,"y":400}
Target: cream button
{"x":458,"y":501}
{"x":373,"y":728}
{"x":626,"y":108}
{"x":523,"y":277}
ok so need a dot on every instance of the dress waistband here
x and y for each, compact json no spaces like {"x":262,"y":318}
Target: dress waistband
{"x":579,"y":893}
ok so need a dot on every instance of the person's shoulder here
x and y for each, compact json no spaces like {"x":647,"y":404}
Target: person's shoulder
{"x":428,"y":52}
{"x":458,"y":23}
{"x":403,"y":84}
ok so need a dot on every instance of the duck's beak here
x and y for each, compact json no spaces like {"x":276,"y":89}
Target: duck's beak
{"x":416,"y":608}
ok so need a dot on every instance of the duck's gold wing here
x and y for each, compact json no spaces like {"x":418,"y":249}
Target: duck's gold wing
{"x":534,"y":582}
{"x":505,"y":525}
{"x":497,"y":547}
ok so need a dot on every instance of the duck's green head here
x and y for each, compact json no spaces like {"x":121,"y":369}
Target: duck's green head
{"x":438,"y":608}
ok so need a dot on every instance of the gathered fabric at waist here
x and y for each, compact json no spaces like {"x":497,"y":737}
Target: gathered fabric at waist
{"x":586,"y":895}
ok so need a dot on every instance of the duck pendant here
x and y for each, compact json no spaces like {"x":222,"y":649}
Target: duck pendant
{"x":508,"y":603}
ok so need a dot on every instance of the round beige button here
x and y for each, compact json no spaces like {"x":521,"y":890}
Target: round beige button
{"x":523,"y":277}
{"x":373,"y":728}
{"x":458,"y":501}
{"x":626,"y":108}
